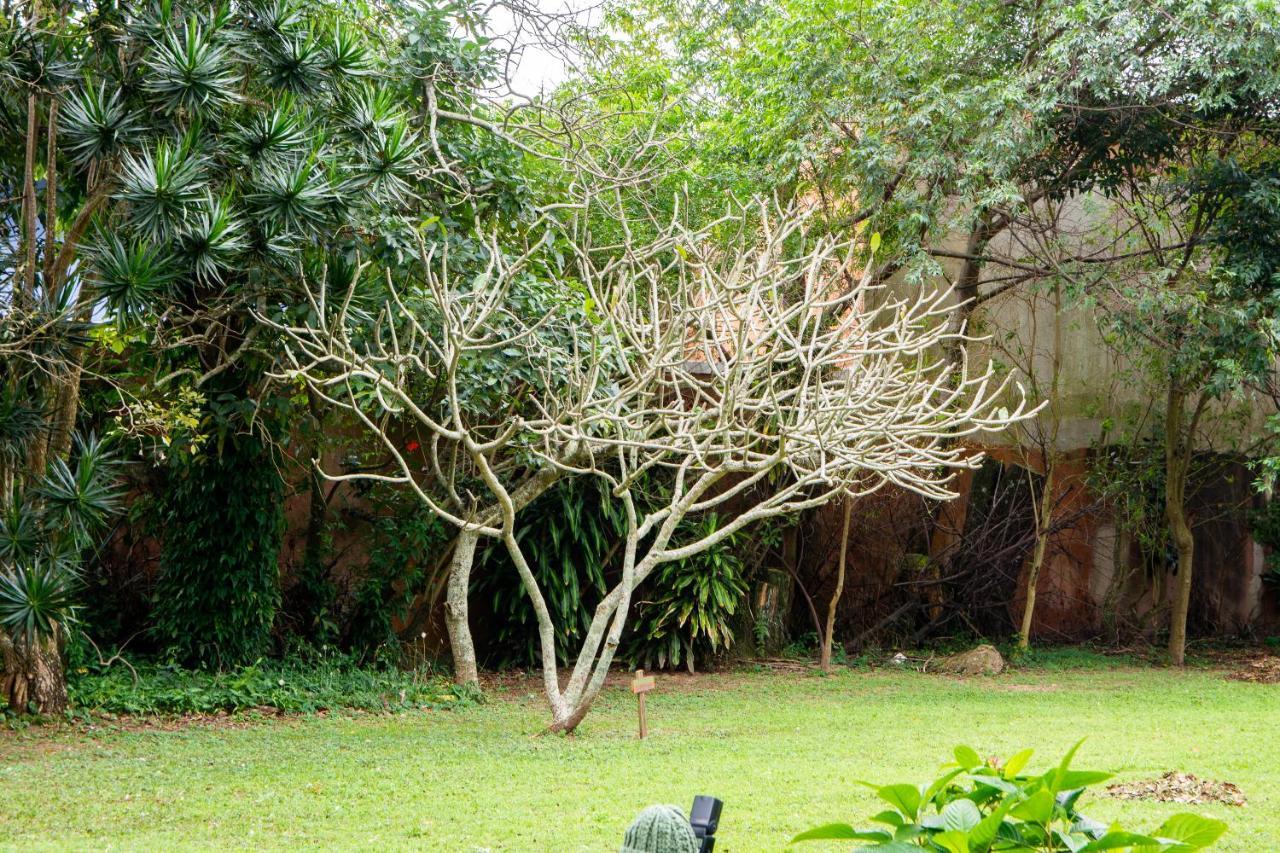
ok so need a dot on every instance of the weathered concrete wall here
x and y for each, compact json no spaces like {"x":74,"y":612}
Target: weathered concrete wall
{"x":1102,"y":396}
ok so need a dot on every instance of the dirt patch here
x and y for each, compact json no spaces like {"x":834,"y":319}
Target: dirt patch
{"x":1031,"y":688}
{"x":1175,"y":787}
{"x":1263,"y":670}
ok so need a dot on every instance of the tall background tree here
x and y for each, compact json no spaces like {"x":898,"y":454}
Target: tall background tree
{"x":1011,"y":146}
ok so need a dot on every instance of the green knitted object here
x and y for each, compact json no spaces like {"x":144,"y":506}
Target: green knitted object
{"x":660,"y":829}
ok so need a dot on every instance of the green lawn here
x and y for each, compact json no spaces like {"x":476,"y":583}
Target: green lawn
{"x":782,"y":750}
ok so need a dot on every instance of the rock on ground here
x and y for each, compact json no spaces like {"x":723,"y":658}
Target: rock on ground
{"x":982,"y":660}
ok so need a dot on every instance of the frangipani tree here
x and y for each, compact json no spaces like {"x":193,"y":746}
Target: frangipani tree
{"x":747,"y":370}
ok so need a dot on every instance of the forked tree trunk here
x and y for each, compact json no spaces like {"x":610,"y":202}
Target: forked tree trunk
{"x":461,"y":644}
{"x":829,"y":636}
{"x":32,"y":678}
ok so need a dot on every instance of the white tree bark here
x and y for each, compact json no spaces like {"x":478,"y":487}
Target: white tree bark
{"x":461,"y":645}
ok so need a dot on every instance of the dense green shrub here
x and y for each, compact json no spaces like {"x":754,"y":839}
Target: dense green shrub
{"x":404,"y":544}
{"x":293,"y":686}
{"x":686,"y":607}
{"x":569,"y":536}
{"x":977,"y":806}
{"x":221,"y":528}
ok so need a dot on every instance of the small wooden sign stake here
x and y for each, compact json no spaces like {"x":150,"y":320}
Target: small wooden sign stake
{"x":641,"y":685}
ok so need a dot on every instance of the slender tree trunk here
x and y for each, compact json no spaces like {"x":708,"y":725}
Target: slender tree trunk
{"x":25,"y":291}
{"x":66,"y":397}
{"x":1178,"y":447}
{"x":829,"y":636}
{"x":51,"y":201}
{"x":32,"y":678}
{"x":1037,"y":556}
{"x":461,"y":644}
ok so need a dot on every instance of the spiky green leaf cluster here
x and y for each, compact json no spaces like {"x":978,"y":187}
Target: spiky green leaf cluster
{"x":230,"y":136}
{"x":45,"y":530}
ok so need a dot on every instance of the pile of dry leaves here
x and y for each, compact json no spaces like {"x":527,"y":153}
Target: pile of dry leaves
{"x":1175,"y":787}
{"x":1265,"y":670}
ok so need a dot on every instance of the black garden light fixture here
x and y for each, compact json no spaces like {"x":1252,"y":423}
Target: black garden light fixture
{"x":705,"y":817}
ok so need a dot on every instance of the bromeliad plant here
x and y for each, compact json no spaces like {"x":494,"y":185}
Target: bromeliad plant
{"x":977,"y":806}
{"x":46,"y":527}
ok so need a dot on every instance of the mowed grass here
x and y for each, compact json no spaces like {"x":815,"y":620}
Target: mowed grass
{"x":784,"y":751}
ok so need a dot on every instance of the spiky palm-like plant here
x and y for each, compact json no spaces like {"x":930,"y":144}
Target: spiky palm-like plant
{"x":46,"y":528}
{"x":201,"y":156}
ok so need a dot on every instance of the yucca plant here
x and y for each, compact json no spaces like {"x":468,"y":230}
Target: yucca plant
{"x":193,"y":166}
{"x":206,"y":155}
{"x":46,"y":528}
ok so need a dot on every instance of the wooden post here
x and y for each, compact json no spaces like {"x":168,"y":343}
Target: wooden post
{"x":641,"y":685}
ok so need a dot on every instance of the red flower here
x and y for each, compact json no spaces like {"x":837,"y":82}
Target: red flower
{"x":412,"y":446}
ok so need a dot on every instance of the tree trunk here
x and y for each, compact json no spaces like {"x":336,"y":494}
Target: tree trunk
{"x":1178,"y":445}
{"x":461,"y":644}
{"x":1180,"y":530}
{"x":829,"y":636}
{"x":25,"y":287}
{"x":33,"y":678}
{"x":66,"y":406}
{"x":1037,"y":557}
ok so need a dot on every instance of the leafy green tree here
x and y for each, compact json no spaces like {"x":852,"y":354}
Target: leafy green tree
{"x":974,"y":134}
{"x":185,"y":166}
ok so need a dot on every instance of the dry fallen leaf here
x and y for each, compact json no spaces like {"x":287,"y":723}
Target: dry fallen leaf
{"x":1265,"y":670}
{"x":1175,"y":787}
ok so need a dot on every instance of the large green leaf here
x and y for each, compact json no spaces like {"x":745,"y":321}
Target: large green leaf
{"x":939,"y":785}
{"x":903,"y":797}
{"x":982,"y":835}
{"x":1038,"y":808}
{"x":952,"y":841}
{"x":961,"y":815}
{"x":967,"y":757}
{"x":1019,"y":760}
{"x":1072,"y":779}
{"x":1116,"y":840}
{"x":1053,"y":777}
{"x":1192,"y":830}
{"x":834,"y":832}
